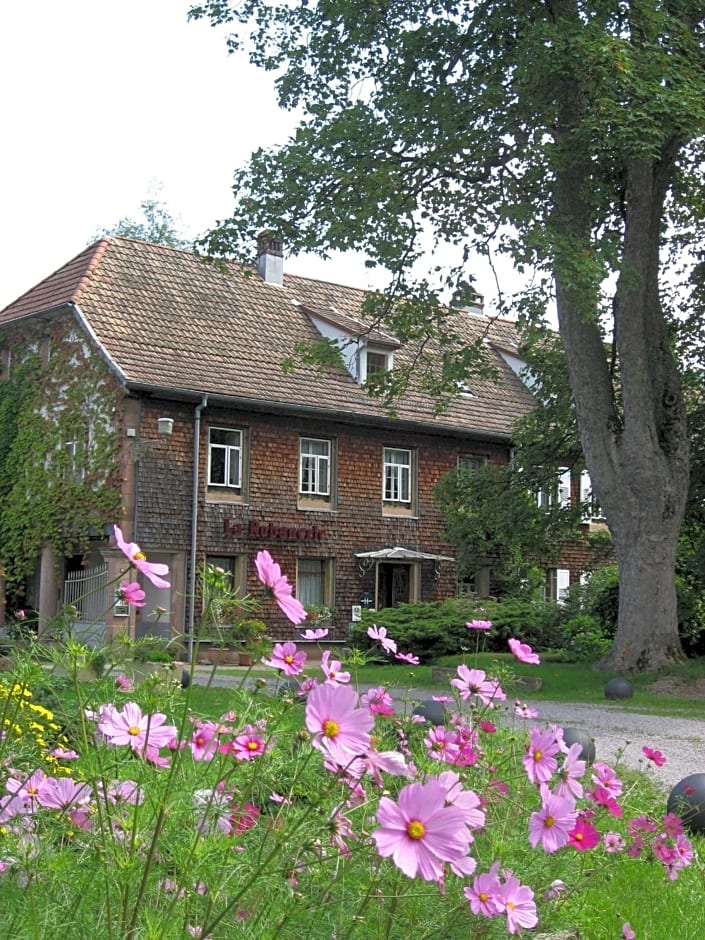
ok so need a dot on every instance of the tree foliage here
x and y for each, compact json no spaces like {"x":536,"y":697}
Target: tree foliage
{"x":567,"y":134}
{"x":156,"y":225}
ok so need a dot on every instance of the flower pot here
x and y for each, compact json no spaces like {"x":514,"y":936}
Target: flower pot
{"x":245,"y":659}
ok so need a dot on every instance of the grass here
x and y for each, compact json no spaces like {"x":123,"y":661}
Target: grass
{"x":561,"y":682}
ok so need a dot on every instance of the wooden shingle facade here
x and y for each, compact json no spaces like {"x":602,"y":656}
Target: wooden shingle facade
{"x":300,"y":460}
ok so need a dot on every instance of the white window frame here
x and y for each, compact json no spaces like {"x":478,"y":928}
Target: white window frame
{"x":396,"y":477}
{"x":557,"y":584}
{"x":315,"y":467}
{"x":232,"y":452}
{"x":560,"y":492}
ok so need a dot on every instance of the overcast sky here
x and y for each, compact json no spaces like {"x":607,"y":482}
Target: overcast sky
{"x":101,"y":102}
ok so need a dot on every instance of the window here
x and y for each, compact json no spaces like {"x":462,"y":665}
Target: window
{"x":558,"y":493}
{"x":590,"y":506}
{"x":315,"y":582}
{"x":376,"y":362}
{"x":225,"y":458}
{"x":471,"y":461}
{"x":397,"y":475}
{"x":556,"y":585}
{"x":236,"y":567}
{"x":314,"y":467}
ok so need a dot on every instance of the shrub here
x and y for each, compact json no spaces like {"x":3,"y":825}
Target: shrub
{"x":584,"y":640}
{"x":437,"y":628}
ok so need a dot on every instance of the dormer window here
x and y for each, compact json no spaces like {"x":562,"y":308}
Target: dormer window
{"x":374,"y":362}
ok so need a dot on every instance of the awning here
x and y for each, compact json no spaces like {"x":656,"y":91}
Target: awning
{"x":401,"y":554}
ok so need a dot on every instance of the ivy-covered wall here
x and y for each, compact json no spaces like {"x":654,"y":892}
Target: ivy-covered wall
{"x":59,"y":470}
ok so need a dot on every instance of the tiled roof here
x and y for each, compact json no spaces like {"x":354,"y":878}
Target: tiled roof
{"x":166,"y":318}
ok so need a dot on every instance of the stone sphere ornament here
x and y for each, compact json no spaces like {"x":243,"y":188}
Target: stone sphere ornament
{"x":435,"y":712}
{"x":619,"y":688}
{"x":687,"y":800}
{"x":576,"y":736}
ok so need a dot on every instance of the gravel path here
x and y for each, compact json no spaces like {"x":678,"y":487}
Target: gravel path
{"x":619,"y":735}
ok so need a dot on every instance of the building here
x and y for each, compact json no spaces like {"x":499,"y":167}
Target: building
{"x":171,"y":398}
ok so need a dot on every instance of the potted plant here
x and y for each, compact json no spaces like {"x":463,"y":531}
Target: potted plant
{"x":250,"y":634}
{"x":221,"y":639}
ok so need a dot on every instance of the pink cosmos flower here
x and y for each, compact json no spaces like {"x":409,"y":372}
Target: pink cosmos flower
{"x":333,"y":669}
{"x":124,"y":683}
{"x":540,"y":761}
{"x":479,"y":625}
{"x":484,"y":895}
{"x":551,"y":826}
{"x":466,"y":800}
{"x":420,"y":832}
{"x":139,"y":731}
{"x":570,"y":773}
{"x":523,"y":652}
{"x":407,"y":658}
{"x":318,"y":634}
{"x":60,"y":754}
{"x":378,"y":700}
{"x":554,"y":890}
{"x":613,"y":843}
{"x":583,"y":836}
{"x":64,"y":793}
{"x":474,"y":682}
{"x":440,"y":745}
{"x":204,"y":740}
{"x":604,"y":798}
{"x":627,"y":932}
{"x":340,"y":729}
{"x":522,"y":710}
{"x":380,"y":634}
{"x":248,"y":745}
{"x":30,"y":789}
{"x":270,"y":574}
{"x":131,"y":593}
{"x":655,"y":756}
{"x":605,"y":777}
{"x":372,"y":763}
{"x":519,"y":906}
{"x":286,"y":657}
{"x":153,"y":571}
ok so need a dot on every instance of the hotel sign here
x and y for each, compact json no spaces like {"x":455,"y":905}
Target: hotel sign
{"x":270,"y":530}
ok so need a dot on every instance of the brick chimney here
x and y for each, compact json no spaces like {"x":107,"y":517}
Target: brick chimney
{"x":270,"y":258}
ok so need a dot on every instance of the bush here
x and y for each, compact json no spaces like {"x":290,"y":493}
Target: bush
{"x":437,"y":628}
{"x":601,"y":601}
{"x":584,"y":640}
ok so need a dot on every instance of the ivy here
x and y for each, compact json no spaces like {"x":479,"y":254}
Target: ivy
{"x":59,"y":473}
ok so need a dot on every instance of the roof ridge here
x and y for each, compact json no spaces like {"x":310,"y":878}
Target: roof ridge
{"x":99,"y":249}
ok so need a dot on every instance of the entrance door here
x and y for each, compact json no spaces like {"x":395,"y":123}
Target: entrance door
{"x":393,"y":584}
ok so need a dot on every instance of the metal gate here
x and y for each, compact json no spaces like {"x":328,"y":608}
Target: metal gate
{"x":87,"y":591}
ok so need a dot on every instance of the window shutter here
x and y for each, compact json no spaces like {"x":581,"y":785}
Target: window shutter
{"x":562,"y":584}
{"x":564,"y":487}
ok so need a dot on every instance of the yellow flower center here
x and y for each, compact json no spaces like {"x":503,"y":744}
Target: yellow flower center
{"x":510,"y":905}
{"x":484,"y":896}
{"x":415,"y":830}
{"x":252,"y":746}
{"x":331,"y":729}
{"x":139,"y":556}
{"x":288,"y":658}
{"x":538,"y":755}
{"x":578,"y":837}
{"x":549,"y":822}
{"x":134,"y":731}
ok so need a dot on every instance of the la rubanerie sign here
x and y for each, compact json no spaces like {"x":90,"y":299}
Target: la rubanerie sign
{"x":269,"y":530}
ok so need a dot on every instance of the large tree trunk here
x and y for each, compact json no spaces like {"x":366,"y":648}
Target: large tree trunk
{"x":632,"y":423}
